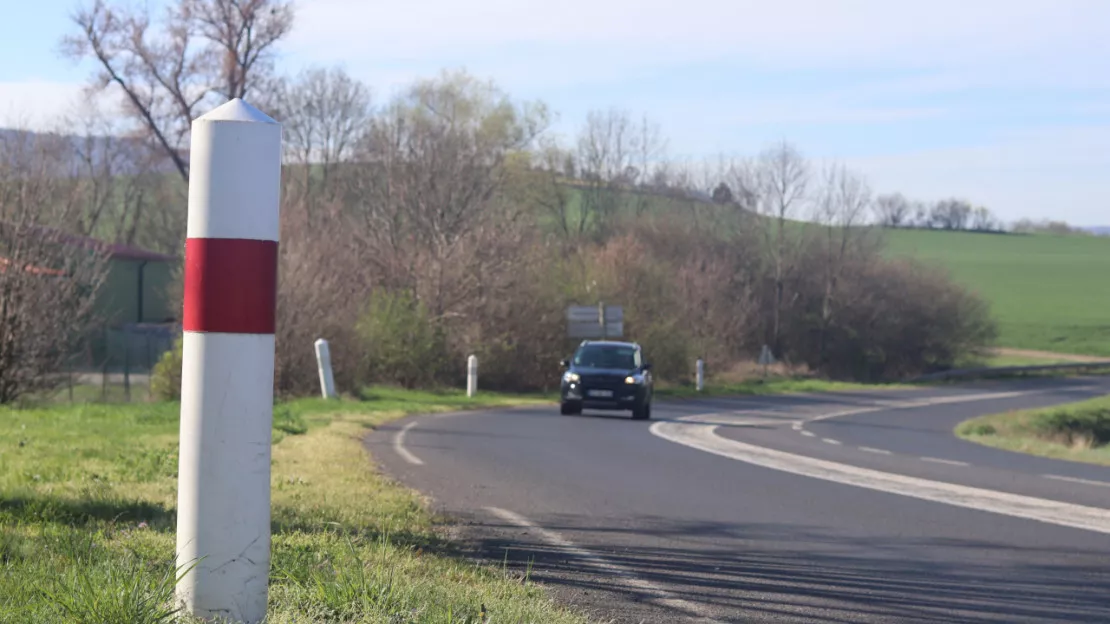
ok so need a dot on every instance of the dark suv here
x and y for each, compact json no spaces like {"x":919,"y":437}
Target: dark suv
{"x":607,"y":375}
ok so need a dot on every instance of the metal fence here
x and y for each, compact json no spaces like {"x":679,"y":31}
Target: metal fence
{"x":117,"y":362}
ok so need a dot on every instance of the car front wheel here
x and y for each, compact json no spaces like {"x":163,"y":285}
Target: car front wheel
{"x":570,"y":409}
{"x":642,"y":412}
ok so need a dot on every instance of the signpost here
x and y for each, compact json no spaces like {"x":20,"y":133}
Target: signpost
{"x":766,"y":358}
{"x":595,"y":322}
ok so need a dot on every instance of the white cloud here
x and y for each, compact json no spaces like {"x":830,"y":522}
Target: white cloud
{"x":783,"y":34}
{"x":36,"y":104}
{"x":61,"y":106}
{"x":1058,"y":172}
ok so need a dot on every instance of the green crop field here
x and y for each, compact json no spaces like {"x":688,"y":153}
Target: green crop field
{"x":1047,"y":292}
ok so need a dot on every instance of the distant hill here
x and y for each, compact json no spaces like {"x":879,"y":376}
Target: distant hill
{"x":128,"y":155}
{"x":1045,"y":290}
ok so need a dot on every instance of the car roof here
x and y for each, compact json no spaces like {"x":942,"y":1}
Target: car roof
{"x":612,"y":343}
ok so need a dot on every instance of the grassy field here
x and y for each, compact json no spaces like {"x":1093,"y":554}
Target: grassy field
{"x":1078,"y":431}
{"x":87,"y":495}
{"x":1045,"y":291}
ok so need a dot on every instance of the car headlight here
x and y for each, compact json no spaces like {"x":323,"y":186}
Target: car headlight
{"x":571,"y":377}
{"x":633,"y":379}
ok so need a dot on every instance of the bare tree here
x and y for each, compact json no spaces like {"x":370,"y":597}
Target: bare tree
{"x":118,"y":180}
{"x":951,"y":214}
{"x":615,"y":155}
{"x":201,"y":53}
{"x":921,"y":215}
{"x":649,"y":147}
{"x":893,"y":210}
{"x":778,"y":183}
{"x":49,"y":279}
{"x":323,"y":112}
{"x":435,"y":165}
{"x":604,"y":154}
{"x":547,"y":185}
{"x":983,"y":221}
{"x":844,"y":202}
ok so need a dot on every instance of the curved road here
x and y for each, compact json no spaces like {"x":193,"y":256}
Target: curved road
{"x":854,"y":507}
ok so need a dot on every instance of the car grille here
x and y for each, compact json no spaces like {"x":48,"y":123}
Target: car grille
{"x":602,"y":381}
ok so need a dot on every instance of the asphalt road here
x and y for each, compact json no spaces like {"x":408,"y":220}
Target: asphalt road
{"x":836,"y":508}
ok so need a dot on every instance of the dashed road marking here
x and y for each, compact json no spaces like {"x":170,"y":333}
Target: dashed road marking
{"x":662,"y":596}
{"x":1078,"y":480}
{"x":938,"y":460}
{"x":868,"y":449}
{"x":830,"y":441}
{"x":808,"y":434}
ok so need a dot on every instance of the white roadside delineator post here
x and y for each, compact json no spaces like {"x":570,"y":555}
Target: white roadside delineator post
{"x":472,"y":376}
{"x":227,"y":376}
{"x":323,"y":363}
{"x":700,"y":374}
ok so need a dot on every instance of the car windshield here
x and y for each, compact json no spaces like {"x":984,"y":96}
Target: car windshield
{"x":607,"y":356}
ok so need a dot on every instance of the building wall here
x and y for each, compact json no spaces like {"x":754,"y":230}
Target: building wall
{"x":119,"y":297}
{"x":113,"y":347}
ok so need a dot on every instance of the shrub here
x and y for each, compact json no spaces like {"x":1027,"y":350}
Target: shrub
{"x":401,"y":343}
{"x":1075,"y":424}
{"x":165,"y":379}
{"x":286,"y":421}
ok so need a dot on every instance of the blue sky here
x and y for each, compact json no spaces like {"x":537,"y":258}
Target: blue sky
{"x":1003,"y":102}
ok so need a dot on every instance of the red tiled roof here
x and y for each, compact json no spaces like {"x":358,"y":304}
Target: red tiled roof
{"x":30,"y":268}
{"x":115,"y":251}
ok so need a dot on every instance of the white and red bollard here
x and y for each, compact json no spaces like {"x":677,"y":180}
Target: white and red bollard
{"x":227,"y":376}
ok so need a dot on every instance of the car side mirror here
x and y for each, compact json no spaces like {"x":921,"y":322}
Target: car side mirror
{"x":647,"y":366}
{"x":564,"y":363}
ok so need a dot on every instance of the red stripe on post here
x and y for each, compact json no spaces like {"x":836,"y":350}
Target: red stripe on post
{"x":230,"y":285}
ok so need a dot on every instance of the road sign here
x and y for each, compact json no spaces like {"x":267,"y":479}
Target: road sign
{"x":593,"y":322}
{"x":765,"y":356}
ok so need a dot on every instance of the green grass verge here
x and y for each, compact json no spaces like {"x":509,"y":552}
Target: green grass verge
{"x":1039,"y":286}
{"x":87,"y":495}
{"x":1077,"y":431}
{"x":1003,"y":361}
{"x":770,"y":385}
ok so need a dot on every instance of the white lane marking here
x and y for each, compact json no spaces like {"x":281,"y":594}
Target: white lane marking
{"x":911,"y":403}
{"x":663,"y":597}
{"x":1078,"y":480}
{"x":868,"y":449}
{"x":830,"y":441}
{"x":797,"y":426}
{"x":938,"y":460}
{"x":705,"y":438}
{"x":399,"y":446}
{"x":738,"y":419}
{"x":809,"y":434}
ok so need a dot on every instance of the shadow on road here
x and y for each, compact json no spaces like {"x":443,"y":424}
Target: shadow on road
{"x":755,"y":573}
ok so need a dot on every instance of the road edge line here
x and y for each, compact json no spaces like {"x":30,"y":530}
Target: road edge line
{"x":552,"y":538}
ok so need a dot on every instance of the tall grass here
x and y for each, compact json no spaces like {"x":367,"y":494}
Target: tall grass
{"x":1078,"y":431}
{"x":87,"y":495}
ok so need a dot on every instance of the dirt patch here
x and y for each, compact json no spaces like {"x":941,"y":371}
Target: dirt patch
{"x":1047,"y":355}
